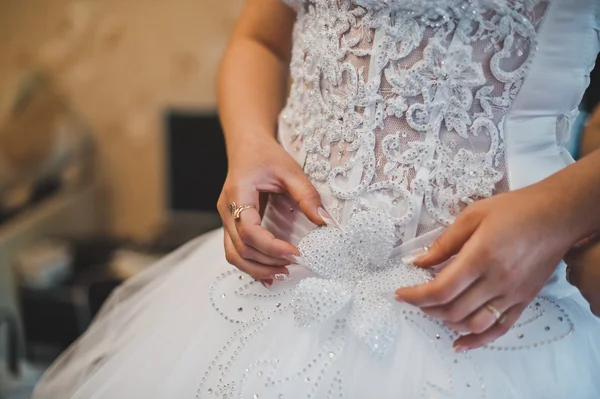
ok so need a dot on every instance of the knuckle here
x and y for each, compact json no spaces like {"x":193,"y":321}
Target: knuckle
{"x":222,"y":200}
{"x":220,"y":208}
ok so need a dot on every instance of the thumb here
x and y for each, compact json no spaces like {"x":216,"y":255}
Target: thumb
{"x":449,"y":243}
{"x":305,"y":194}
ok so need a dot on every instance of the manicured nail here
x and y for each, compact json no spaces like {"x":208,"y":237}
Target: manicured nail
{"x":281,"y":276}
{"x":416,"y":256}
{"x":292,"y":258}
{"x":325,"y":216}
{"x":460,"y":349}
{"x":266,"y":283}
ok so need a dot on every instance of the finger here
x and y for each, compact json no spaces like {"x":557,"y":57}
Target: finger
{"x":251,"y":240}
{"x":451,"y":241}
{"x":249,"y":253}
{"x":459,"y":275}
{"x":266,"y":283}
{"x":473,"y":341}
{"x":483,"y":318}
{"x":252,"y":234}
{"x":256,"y":270}
{"x":465,"y":304}
{"x":305,"y":194}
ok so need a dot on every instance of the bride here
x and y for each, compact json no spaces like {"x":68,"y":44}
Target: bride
{"x":383,"y":264}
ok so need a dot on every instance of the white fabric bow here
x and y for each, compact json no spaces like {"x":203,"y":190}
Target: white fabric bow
{"x":355,"y":273}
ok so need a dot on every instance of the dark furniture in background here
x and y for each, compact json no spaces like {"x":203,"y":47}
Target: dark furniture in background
{"x":196,"y":161}
{"x":195,"y":172}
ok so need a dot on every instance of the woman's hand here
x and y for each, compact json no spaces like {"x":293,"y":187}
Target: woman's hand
{"x":505,"y":247}
{"x":252,"y":89}
{"x":584,"y":272}
{"x":259,"y":166}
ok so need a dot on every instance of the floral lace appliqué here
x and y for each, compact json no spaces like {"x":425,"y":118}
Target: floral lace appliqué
{"x":406,"y":99}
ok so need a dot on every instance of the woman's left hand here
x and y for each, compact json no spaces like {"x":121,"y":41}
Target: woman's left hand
{"x":506,"y":249}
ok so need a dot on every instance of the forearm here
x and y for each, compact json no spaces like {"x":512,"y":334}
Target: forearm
{"x":574,"y":194}
{"x":253,"y":77}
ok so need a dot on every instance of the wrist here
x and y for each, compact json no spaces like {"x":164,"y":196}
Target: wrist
{"x":559,"y":216}
{"x":572,"y":194}
{"x":248,"y":139}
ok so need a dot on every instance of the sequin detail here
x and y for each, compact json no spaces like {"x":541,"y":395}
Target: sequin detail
{"x":355,"y":273}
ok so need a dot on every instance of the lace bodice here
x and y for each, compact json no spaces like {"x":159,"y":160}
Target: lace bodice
{"x":400,"y":104}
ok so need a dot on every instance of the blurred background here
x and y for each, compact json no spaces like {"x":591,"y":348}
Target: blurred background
{"x":111,"y":155}
{"x":107,"y":130}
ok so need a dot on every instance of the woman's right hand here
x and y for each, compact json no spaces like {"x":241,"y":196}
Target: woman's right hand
{"x":257,"y":166}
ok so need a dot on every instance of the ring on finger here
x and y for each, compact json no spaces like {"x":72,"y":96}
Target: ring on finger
{"x":498,"y":315}
{"x":236,"y":210}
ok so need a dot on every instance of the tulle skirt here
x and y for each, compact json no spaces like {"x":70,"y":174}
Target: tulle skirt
{"x":192,"y":326}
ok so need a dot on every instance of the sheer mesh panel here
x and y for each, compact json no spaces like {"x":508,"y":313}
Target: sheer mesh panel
{"x":411,"y":102}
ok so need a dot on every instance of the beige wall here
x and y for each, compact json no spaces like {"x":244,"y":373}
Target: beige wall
{"x":120,"y":63}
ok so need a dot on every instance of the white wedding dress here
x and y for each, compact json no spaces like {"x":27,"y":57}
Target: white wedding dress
{"x":402,"y":112}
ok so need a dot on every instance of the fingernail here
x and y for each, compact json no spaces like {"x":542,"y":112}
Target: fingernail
{"x":292,"y":258}
{"x":266,"y":283}
{"x":281,"y":277}
{"x":325,"y":216}
{"x":399,"y":299}
{"x":416,"y":256}
{"x":460,"y":349}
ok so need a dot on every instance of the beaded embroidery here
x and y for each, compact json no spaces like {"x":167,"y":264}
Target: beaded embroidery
{"x":355,"y":273}
{"x":398,"y":106}
{"x":543,"y":323}
{"x":405,"y":99}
